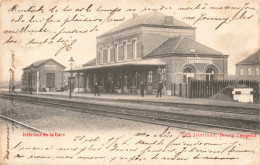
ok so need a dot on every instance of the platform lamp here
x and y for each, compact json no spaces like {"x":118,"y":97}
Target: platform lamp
{"x":71,"y":75}
{"x":31,"y":86}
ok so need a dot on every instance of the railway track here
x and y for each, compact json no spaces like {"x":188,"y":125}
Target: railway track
{"x":22,"y":124}
{"x":184,"y":121}
{"x":193,"y":106}
{"x":237,"y":110}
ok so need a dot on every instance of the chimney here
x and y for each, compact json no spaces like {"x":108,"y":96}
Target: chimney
{"x":168,"y":20}
{"x":135,"y":15}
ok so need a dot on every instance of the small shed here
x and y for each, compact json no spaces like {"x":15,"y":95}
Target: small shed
{"x":46,"y":74}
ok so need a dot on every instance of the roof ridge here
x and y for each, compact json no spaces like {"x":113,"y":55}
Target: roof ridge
{"x":153,"y":18}
{"x":181,"y":38}
{"x":162,"y":44}
{"x":41,"y":62}
{"x":158,"y":46}
{"x":250,"y":57}
{"x":204,"y":45}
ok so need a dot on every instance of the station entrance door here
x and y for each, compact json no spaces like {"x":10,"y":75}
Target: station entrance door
{"x":50,"y":80}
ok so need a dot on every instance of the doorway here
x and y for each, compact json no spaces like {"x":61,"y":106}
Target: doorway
{"x":50,"y":80}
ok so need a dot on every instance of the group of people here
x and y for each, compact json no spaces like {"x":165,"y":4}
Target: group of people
{"x":142,"y":87}
{"x":159,"y":91}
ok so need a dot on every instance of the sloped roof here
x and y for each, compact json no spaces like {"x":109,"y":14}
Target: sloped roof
{"x":252,"y":59}
{"x":153,"y":18}
{"x":41,"y":62}
{"x":141,"y":62}
{"x":182,"y":45}
{"x":90,"y":63}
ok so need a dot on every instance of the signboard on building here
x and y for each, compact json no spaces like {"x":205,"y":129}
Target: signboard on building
{"x":51,"y":67}
{"x":206,"y":60}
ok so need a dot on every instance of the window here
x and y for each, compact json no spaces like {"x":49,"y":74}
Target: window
{"x":150,"y":76}
{"x":104,"y":56}
{"x":116,"y":52}
{"x":101,"y":55}
{"x":125,"y":50}
{"x":134,"y":49}
{"x":257,"y":71}
{"x":210,"y":74}
{"x":50,"y":80}
{"x":241,"y":72}
{"x":188,"y":70}
{"x":249,"y":71}
{"x":108,"y":54}
{"x":163,"y":74}
{"x":186,"y":75}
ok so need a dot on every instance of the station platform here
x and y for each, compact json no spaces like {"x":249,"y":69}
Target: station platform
{"x":148,"y":98}
{"x":153,"y":98}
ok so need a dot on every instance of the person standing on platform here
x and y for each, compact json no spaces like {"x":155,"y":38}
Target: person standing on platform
{"x":160,"y":87}
{"x":13,"y":89}
{"x":142,"y":89}
{"x":96,"y":89}
{"x":112,"y":87}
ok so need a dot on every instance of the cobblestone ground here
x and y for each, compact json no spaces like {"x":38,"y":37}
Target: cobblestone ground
{"x":58,"y":119}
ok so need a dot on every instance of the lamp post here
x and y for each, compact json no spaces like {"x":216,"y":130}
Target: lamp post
{"x":31,"y":86}
{"x":71,"y":75}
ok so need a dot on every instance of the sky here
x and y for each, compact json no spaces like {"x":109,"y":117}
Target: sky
{"x":238,"y":38}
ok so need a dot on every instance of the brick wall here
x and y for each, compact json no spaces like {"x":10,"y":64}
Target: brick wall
{"x":147,"y":39}
{"x":176,"y":65}
{"x":245,"y":75}
{"x":111,"y":41}
{"x":58,"y":74}
{"x":43,"y":70}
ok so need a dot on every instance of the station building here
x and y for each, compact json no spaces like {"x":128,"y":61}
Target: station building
{"x":248,"y":69}
{"x":48,"y":73}
{"x":149,"y":48}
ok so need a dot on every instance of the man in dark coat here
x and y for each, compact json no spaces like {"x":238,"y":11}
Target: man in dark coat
{"x":160,"y":87}
{"x":142,"y":89}
{"x":13,"y":89}
{"x":96,"y":89}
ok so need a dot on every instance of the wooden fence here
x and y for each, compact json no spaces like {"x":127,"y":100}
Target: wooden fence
{"x":180,"y":89}
{"x":206,"y":89}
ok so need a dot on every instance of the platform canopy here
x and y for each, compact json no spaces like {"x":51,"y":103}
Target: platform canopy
{"x":142,"y":62}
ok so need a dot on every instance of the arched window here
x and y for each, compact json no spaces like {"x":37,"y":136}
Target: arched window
{"x":210,"y":74}
{"x":186,"y":75}
{"x":188,"y":70}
